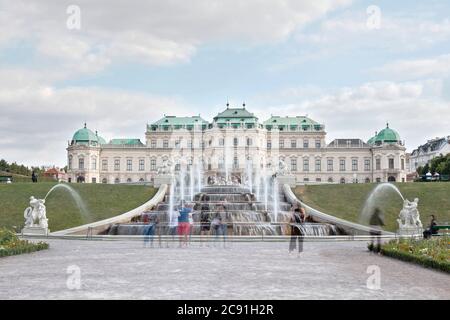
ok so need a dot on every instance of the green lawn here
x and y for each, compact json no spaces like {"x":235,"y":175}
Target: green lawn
{"x":101,"y":201}
{"x":347,"y":200}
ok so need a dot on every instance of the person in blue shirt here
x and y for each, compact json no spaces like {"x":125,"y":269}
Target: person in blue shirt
{"x":184,"y":226}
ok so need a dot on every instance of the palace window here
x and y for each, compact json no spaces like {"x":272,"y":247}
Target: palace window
{"x":342,"y":165}
{"x":403,"y":164}
{"x":317,"y":143}
{"x":249,"y":141}
{"x":104,"y":181}
{"x":367,"y":180}
{"x":153,"y":164}
{"x":117,"y":180}
{"x":141,"y":164}
{"x":94,"y":163}
{"x":281,"y":144}
{"x":318,"y":165}
{"x":330,"y":180}
{"x":329,"y":164}
{"x":177,"y":167}
{"x":235,"y":142}
{"x":305,"y":164}
{"x":305,"y":143}
{"x":294,"y":144}
{"x":293,"y":164}
{"x":129,"y":180}
{"x":116,"y":165}
{"x":342,"y":180}
{"x":190,"y":144}
{"x":354,"y":164}
{"x":221,"y":163}
{"x":221,"y":142}
{"x":391,"y":163}
{"x":235,"y":163}
{"x":318,"y":179}
{"x":104,"y":165}
{"x":166,"y":144}
{"x":70,"y":162}
{"x":129,"y":165}
{"x":378,"y":164}
{"x":367,"y":165}
{"x":81,"y":163}
{"x":94,"y":180}
{"x":177,"y":144}
{"x":269,"y":144}
{"x":153,"y":144}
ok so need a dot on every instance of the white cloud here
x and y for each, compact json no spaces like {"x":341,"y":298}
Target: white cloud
{"x":412,"y":108}
{"x":152,"y":32}
{"x":38,"y":120}
{"x":417,"y":68}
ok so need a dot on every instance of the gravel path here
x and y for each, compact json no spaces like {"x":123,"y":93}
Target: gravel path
{"x":262,"y":270}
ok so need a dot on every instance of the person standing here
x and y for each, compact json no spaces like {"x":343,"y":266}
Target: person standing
{"x":205,"y":220}
{"x":183,"y":223}
{"x":33,"y":176}
{"x":297,"y":218}
{"x":376,"y":222}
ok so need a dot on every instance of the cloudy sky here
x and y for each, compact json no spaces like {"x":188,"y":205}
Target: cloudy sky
{"x":344,"y":63}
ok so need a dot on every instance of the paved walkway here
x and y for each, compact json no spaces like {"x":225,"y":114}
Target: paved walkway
{"x":126,"y":270}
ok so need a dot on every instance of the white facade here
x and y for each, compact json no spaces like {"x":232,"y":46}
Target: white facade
{"x":233,"y":141}
{"x":433,"y":148}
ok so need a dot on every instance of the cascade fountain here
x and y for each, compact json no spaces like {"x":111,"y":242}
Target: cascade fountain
{"x":246,"y":214}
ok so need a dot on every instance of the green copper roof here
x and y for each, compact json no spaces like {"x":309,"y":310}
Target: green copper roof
{"x":101,"y":140}
{"x":233,"y":113}
{"x":84,"y":135}
{"x":293,"y":123}
{"x":126,"y":142}
{"x":387,"y":135}
{"x":172,"y":120}
{"x":288,"y":121}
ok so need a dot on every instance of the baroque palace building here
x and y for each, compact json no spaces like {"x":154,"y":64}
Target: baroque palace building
{"x":234,"y":140}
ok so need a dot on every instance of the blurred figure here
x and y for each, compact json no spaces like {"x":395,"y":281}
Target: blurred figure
{"x":205,"y":220}
{"x":150,"y":228}
{"x":431,"y":228}
{"x":297,"y":218}
{"x":376,"y":223}
{"x":183,"y":223}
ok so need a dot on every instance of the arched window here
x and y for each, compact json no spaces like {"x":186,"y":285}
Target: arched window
{"x":342,"y":180}
{"x":391,"y":179}
{"x":129,"y":180}
{"x":330,"y":180}
{"x":117,"y":180}
{"x":141,"y":180}
{"x":104,"y":181}
{"x":367,"y":180}
{"x":70,"y":162}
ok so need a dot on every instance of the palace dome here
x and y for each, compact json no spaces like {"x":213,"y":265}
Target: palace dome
{"x":86,"y":136}
{"x":387,"y":135}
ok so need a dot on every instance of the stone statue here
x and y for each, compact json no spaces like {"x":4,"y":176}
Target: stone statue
{"x":282,"y":169}
{"x":409,"y":218}
{"x":166,"y":168}
{"x":36,"y":215}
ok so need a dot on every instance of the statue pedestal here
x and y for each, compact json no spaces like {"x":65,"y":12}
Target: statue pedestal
{"x":410,"y":231}
{"x":162,"y":179}
{"x":35,"y":231}
{"x":290,"y":180}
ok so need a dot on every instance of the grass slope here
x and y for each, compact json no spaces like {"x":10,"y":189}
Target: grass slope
{"x":347,"y":200}
{"x":101,"y":200}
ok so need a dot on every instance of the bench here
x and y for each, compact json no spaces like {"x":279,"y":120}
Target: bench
{"x":442,"y":229}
